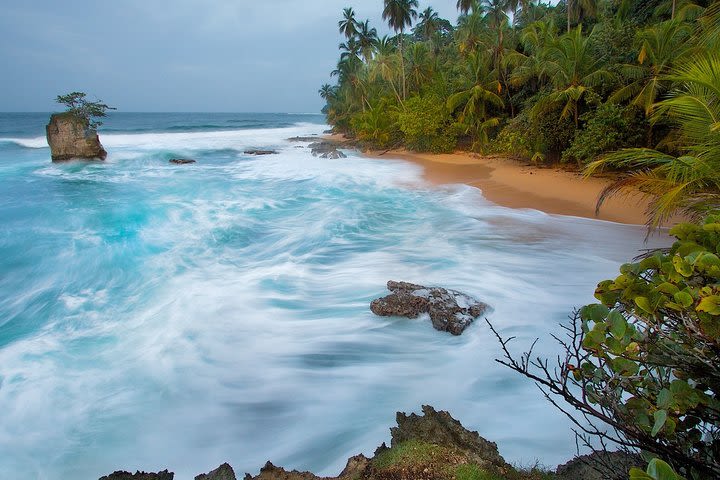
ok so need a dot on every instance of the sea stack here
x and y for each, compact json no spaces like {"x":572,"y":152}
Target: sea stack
{"x":70,"y":137}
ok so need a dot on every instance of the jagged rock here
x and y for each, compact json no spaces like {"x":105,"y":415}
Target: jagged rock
{"x":450,"y":310}
{"x":271,"y":472}
{"x":223,"y":472}
{"x":260,"y":152}
{"x":120,"y":475}
{"x":440,"y":428}
{"x":181,"y":161}
{"x":600,"y":466}
{"x":355,"y":468}
{"x":70,"y":138}
{"x":326,"y":149}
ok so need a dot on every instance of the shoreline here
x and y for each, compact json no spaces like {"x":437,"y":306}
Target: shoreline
{"x":515,"y":184}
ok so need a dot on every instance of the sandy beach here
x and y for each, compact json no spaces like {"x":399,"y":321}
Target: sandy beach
{"x":517,"y":185}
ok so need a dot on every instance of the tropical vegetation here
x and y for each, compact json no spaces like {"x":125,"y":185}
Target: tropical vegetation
{"x":628,"y":86}
{"x":88,"y":112}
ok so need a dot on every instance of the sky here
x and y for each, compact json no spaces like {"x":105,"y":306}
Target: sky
{"x":177,"y":55}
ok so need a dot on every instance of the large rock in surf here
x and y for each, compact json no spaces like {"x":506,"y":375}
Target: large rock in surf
{"x":326,"y":149}
{"x":355,"y":469}
{"x":70,"y":138}
{"x":450,"y":310}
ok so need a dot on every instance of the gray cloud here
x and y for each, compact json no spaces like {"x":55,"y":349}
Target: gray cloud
{"x":176,"y":55}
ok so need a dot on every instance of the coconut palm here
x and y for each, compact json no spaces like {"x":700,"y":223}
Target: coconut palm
{"x":351,"y":48}
{"x":429,"y":23}
{"x":466,"y":6}
{"x":690,"y":181}
{"x":476,"y":102}
{"x":579,"y":9}
{"x":400,"y":14}
{"x":327,"y":92}
{"x":660,"y":46}
{"x":367,"y":38}
{"x":574,"y":72}
{"x":348,"y":24}
{"x":531,"y":66}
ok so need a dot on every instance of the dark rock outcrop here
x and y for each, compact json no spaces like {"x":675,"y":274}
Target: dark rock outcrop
{"x":599,"y":466}
{"x":223,"y":472}
{"x":260,"y":152}
{"x":181,"y":161}
{"x":450,"y":310}
{"x":440,"y":428}
{"x":70,"y":137}
{"x":356,"y":468}
{"x":120,"y":475}
{"x":303,"y":139}
{"x":326,"y":149}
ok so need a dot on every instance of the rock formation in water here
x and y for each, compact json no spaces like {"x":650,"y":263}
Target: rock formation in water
{"x":450,"y":310}
{"x":260,"y":152}
{"x":181,"y":161}
{"x":223,"y":472}
{"x":70,"y":138}
{"x":326,"y":149}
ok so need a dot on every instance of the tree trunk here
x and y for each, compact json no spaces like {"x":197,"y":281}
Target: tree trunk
{"x":672,"y":15}
{"x":568,"y":14}
{"x":402,"y":66}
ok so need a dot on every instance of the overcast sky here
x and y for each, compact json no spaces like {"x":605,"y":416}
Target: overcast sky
{"x":176,"y":55}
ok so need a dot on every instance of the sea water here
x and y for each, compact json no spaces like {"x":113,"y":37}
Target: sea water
{"x":159,"y":316}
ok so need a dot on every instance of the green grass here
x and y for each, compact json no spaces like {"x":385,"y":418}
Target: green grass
{"x":471,"y":471}
{"x":411,"y":452}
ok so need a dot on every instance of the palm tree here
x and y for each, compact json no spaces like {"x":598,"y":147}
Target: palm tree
{"x":573,"y":72}
{"x":690,"y":181}
{"x":429,"y":23}
{"x":348,"y":25}
{"x":660,"y":46}
{"x":578,"y":9}
{"x":327,"y":92}
{"x":367,"y":38}
{"x":400,"y":14}
{"x":351,"y":48}
{"x":466,"y":5}
{"x":477,"y":100}
{"x":421,"y":67}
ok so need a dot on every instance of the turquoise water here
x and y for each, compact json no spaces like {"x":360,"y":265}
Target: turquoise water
{"x":156,"y":316}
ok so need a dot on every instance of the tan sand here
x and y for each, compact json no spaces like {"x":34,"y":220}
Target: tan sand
{"x":513,"y":184}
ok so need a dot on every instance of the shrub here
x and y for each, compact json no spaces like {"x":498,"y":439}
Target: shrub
{"x":646,"y":358}
{"x":607,"y":128}
{"x":427,"y":125}
{"x":376,"y":126}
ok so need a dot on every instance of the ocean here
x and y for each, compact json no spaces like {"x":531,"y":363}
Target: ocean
{"x":159,"y":316}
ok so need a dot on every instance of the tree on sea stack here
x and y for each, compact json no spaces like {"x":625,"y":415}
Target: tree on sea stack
{"x":73,"y":133}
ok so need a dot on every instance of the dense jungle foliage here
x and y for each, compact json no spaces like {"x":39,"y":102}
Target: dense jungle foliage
{"x":628,"y":85}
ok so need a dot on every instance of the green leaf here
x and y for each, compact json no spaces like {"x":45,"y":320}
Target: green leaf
{"x":683,"y":298}
{"x":618,"y":324}
{"x":660,"y":417}
{"x":659,"y":470}
{"x":637,"y":474}
{"x":594,"y":312}
{"x":664,"y":398}
{"x":644,"y":304}
{"x":710,"y":304}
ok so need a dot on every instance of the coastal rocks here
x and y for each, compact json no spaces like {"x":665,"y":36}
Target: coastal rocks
{"x":181,"y":161}
{"x":121,"y":475}
{"x":355,"y":469}
{"x":599,"y":466}
{"x":260,"y":152}
{"x":303,"y":139}
{"x":325,"y":149}
{"x":70,"y":138}
{"x":223,"y":472}
{"x":450,"y":310}
{"x":439,"y":428}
